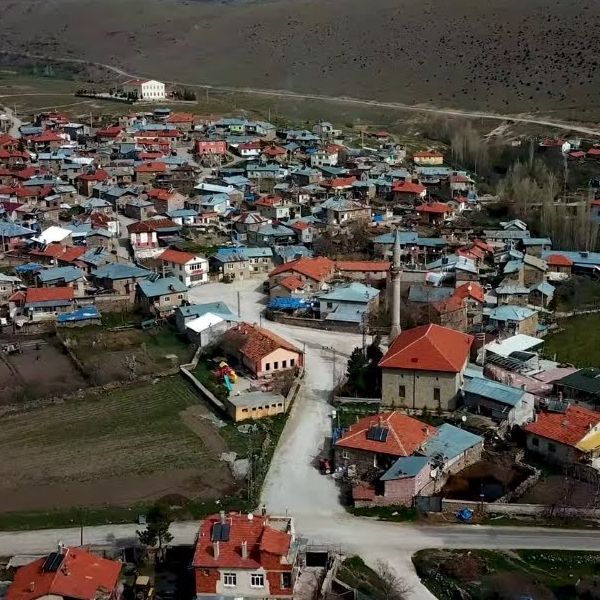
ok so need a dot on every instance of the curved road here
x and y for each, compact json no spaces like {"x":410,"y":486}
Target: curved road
{"x":341,"y":99}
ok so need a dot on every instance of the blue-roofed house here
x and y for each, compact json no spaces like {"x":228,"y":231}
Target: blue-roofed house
{"x":536,"y":246}
{"x":242,"y":262}
{"x":583,"y":261}
{"x":383,"y":243}
{"x":120,"y":278}
{"x":271,"y":234}
{"x":541,"y":294}
{"x":161,"y":296}
{"x":509,"y":292}
{"x":70,"y":276}
{"x":513,"y":319}
{"x":503,"y":403}
{"x":348,"y":303}
{"x":13,"y":236}
{"x":451,"y":449}
{"x":285,"y":254}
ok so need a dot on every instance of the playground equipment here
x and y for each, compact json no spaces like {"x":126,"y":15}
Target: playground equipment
{"x":227,"y":375}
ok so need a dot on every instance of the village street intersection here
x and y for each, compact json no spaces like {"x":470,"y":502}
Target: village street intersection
{"x":294,"y":486}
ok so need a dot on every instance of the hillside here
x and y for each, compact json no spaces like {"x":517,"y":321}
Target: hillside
{"x":502,"y":55}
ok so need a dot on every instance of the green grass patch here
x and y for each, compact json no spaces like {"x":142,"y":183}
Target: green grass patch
{"x":576,"y":343}
{"x":387,"y":513}
{"x":349,"y":414}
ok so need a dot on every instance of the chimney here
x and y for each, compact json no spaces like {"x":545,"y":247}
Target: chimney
{"x":216,"y":549}
{"x":244,"y":549}
{"x":60,"y":547}
{"x":32,"y":586}
{"x":222,"y":517}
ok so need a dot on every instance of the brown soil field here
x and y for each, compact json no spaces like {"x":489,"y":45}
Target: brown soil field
{"x":501,"y":55}
{"x":37,"y":373}
{"x":117,"y":449}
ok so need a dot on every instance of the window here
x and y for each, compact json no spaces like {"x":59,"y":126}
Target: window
{"x":167,"y":298}
{"x":257,"y":580}
{"x":286,"y":580}
{"x":284,"y":364}
{"x":276,"y":365}
{"x":535,"y":442}
{"x":402,"y":391}
{"x":330,"y":305}
{"x":229,"y":579}
{"x":436,"y":394}
{"x":292,"y":362}
{"x":345,"y":455}
{"x":244,"y":410}
{"x":268,"y":367}
{"x":551,"y":447}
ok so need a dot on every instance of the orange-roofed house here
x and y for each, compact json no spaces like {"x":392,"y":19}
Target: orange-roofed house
{"x":45,"y":304}
{"x":273,"y":207}
{"x":565,"y":437}
{"x":183,"y":121}
{"x":69,"y":573}
{"x":379,"y":440}
{"x":314,"y":273}
{"x":428,"y":158}
{"x":363,"y":270}
{"x":261,"y":351}
{"x":87,"y":181}
{"x":406,"y":191}
{"x":424,"y":368}
{"x":245,"y":556}
{"x":559,"y":266}
{"x":166,"y":201}
{"x":191,"y":269}
{"x":434,"y":213}
{"x":146,"y":172}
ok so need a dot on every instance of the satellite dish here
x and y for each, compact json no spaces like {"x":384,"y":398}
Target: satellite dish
{"x":464,"y":418}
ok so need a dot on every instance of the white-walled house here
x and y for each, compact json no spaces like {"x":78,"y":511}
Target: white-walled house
{"x":190,"y":269}
{"x":146,"y":89}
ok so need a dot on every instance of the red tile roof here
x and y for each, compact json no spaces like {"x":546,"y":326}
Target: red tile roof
{"x":97,"y":175}
{"x":577,"y":154}
{"x":177,"y":257}
{"x":181,"y":118}
{"x":300,"y":225}
{"x":275,"y":151}
{"x":470,"y":290}
{"x":434,"y":207}
{"x":159,"y":194}
{"x":249,"y":146}
{"x":367,"y":266}
{"x":558,"y":260}
{"x":46,"y":137}
{"x":593,"y":152}
{"x":449,"y":305}
{"x":48,"y":294}
{"x":319,"y":268}
{"x":255,"y":342}
{"x":428,"y":154}
{"x":151,"y":225}
{"x":428,"y":348}
{"x":291,"y":283}
{"x":270,"y":201}
{"x":151,"y":167}
{"x":82,"y":575}
{"x":261,"y":539}
{"x":565,"y":428}
{"x":63,"y":253}
{"x":340,"y":182}
{"x":109,"y":132}
{"x":408,"y":187}
{"x":405,"y":436}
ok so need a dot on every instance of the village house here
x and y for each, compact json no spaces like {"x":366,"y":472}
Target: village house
{"x":210,"y":148}
{"x":139,"y":209}
{"x":43,"y":304}
{"x":242,"y":262}
{"x":260,"y":351}
{"x":68,"y":276}
{"x":339,"y":211}
{"x":69,"y":573}
{"x":189,"y":268}
{"x":314,"y":273}
{"x":166,"y":200}
{"x":162,"y":296}
{"x":429,"y":158}
{"x":424,"y":368}
{"x":434,"y":213}
{"x":407,"y":191}
{"x":581,"y":386}
{"x":565,"y":437}
{"x":510,"y":319}
{"x":272,"y":234}
{"x":273,"y":207}
{"x":120,"y":278}
{"x":148,"y":171}
{"x":246,"y":222}
{"x":245,"y":556}
{"x":349,"y":303}
{"x":255,"y":405}
{"x":13,"y":236}
{"x":559,"y":267}
{"x":187,"y":314}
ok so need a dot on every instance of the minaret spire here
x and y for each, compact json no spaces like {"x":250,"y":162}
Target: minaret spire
{"x":396,"y":272}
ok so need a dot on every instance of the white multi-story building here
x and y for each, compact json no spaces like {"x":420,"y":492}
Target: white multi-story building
{"x":146,"y":89}
{"x":190,"y":269}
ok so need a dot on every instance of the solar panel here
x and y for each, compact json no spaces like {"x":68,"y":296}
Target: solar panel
{"x":220,"y":532}
{"x":216,"y":532}
{"x":53,"y":562}
{"x":225,"y":527}
{"x":378,"y":434}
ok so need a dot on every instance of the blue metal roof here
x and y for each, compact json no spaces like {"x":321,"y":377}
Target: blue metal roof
{"x":428,"y":293}
{"x":405,"y":466}
{"x":66,"y":274}
{"x":121,"y":271}
{"x":406,"y":237}
{"x":9,"y":229}
{"x":161,"y":287}
{"x":348,"y":313}
{"x":242,"y":253}
{"x":216,"y":308}
{"x":354,"y":292}
{"x":537,"y":242}
{"x":450,"y":442}
{"x":511,"y":312}
{"x":81,"y":314}
{"x":30,"y":267}
{"x":182,"y":212}
{"x":486,"y":388}
{"x":582,"y":259}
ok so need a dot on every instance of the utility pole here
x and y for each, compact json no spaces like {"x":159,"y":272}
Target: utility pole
{"x":238,"y":306}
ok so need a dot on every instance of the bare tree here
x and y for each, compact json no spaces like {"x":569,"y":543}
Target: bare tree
{"x":393,"y":587}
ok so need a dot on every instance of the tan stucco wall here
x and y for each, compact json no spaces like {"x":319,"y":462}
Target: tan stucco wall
{"x":278,"y":356}
{"x":419,"y":389}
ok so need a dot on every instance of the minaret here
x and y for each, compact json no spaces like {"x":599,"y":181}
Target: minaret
{"x":396,"y":277}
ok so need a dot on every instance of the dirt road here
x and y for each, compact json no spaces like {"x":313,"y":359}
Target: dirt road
{"x":452,"y":112}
